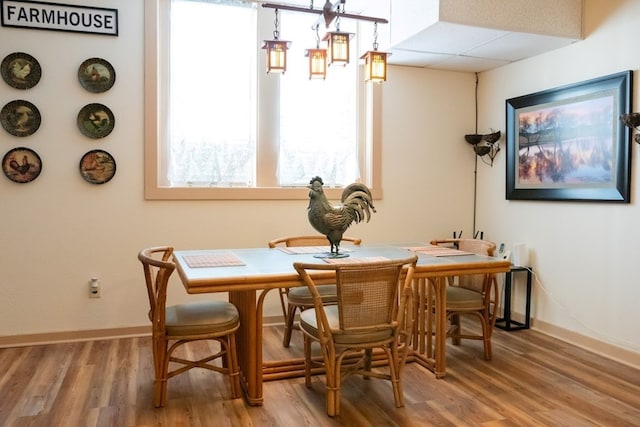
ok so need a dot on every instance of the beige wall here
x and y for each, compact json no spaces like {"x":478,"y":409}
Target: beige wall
{"x":585,"y":254}
{"x":58,"y":231}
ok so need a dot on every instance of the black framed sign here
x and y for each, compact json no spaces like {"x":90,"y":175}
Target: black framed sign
{"x":568,"y":143}
{"x":59,"y":17}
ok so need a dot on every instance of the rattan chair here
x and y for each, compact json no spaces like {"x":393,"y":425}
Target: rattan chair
{"x":298,"y":299}
{"x":476,"y":295}
{"x":370,"y":313}
{"x":177,"y":325}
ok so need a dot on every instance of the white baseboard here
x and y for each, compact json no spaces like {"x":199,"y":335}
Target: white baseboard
{"x":73,"y":336}
{"x":607,"y":350}
{"x":610,"y":351}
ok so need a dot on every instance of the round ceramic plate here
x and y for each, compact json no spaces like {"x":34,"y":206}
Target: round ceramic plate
{"x":96,"y":120}
{"x":97,"y":167}
{"x":96,"y":75}
{"x":20,"y":70}
{"x":20,"y":118}
{"x":21,"y":165}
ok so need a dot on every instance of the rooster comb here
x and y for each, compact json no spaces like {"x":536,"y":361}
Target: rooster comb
{"x":316,"y":178}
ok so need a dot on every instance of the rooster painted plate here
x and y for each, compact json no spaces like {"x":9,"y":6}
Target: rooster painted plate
{"x":96,"y":75}
{"x":97,"y":167}
{"x":20,"y":70}
{"x":21,"y":165}
{"x":96,"y":120}
{"x":20,"y":118}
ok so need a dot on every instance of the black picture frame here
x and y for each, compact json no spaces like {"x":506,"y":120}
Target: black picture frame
{"x":568,"y":143}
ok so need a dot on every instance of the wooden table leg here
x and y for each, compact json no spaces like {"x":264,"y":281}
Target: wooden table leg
{"x":441,"y":326}
{"x":249,"y":337}
{"x":432,"y":296}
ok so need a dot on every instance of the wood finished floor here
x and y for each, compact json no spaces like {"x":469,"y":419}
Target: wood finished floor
{"x":533,"y":380}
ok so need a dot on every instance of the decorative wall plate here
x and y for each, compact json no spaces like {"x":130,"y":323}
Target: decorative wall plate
{"x":20,"y":70}
{"x":97,"y":167}
{"x":21,"y":165}
{"x":20,"y":118}
{"x":96,"y":120}
{"x":96,"y":75}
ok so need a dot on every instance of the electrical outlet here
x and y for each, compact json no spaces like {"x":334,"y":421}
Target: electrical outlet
{"x":94,"y":288}
{"x":503,"y":253}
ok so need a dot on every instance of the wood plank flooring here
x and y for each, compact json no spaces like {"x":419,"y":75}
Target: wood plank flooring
{"x":532,"y":380}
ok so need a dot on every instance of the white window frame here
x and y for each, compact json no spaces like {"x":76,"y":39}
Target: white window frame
{"x":155,"y":139}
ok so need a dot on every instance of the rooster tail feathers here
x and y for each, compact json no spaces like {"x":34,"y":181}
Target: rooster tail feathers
{"x":359,"y":213}
{"x":356,"y":186}
{"x":361,"y":190}
{"x":361,"y":204}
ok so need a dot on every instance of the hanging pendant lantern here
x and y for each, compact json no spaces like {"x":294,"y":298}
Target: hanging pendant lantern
{"x":338,"y":47}
{"x":375,"y":62}
{"x":317,"y":63}
{"x":375,"y":66}
{"x":276,"y":50}
{"x":338,"y":44}
{"x":317,"y":59}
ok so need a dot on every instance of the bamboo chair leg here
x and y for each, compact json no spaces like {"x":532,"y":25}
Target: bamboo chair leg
{"x":288,"y":326}
{"x":455,"y":326}
{"x":232,"y":366}
{"x":396,"y":384}
{"x":282,"y":292}
{"x":367,"y":362}
{"x":333,"y":387}
{"x":486,"y":339}
{"x":161,"y":361}
{"x":307,"y":361}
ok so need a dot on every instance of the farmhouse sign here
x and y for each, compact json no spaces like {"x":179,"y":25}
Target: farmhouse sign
{"x":60,"y":17}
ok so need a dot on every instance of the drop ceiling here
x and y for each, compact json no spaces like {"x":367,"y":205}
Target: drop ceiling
{"x":477,"y":35}
{"x":466,"y":48}
{"x":470,"y":35}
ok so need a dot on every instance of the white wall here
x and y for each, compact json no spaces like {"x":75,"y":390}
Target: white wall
{"x":58,"y":231}
{"x":585,"y":255}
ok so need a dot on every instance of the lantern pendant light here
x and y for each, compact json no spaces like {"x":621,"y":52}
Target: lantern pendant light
{"x":338,"y":44}
{"x":317,"y":59}
{"x":375,"y":62}
{"x":276,"y":50}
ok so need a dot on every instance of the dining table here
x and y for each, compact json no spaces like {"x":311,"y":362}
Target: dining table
{"x":248,"y":274}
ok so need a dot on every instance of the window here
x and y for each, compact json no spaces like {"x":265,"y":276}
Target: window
{"x":219,"y":127}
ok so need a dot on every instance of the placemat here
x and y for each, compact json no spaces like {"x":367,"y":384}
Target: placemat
{"x":434,"y":250}
{"x":355,"y":260}
{"x":294,"y":250}
{"x":212,"y":260}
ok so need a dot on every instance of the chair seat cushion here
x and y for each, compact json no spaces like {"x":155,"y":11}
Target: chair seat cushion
{"x":202,"y":317}
{"x":309,"y":324}
{"x":301,"y":295}
{"x":460,"y":298}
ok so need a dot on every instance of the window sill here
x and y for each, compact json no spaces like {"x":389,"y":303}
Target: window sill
{"x":218,"y":193}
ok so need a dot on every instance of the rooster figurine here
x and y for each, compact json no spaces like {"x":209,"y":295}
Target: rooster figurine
{"x":333,"y":221}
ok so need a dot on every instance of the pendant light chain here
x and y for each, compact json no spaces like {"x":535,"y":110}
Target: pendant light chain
{"x":276,"y":24}
{"x":375,"y":36}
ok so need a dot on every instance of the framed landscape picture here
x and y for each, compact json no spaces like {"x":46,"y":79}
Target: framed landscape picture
{"x":568,"y":143}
